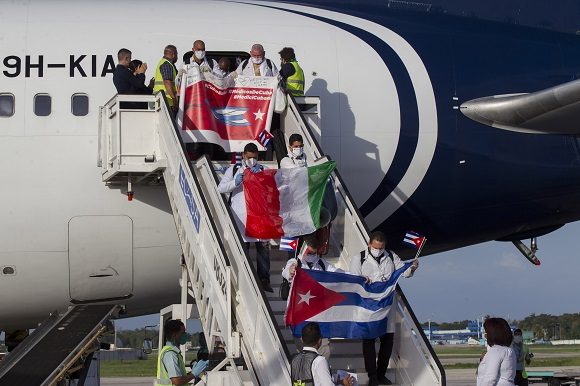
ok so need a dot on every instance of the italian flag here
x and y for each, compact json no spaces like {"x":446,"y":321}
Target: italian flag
{"x":285,"y":202}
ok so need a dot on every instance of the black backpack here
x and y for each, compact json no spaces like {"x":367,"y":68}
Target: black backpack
{"x":236,"y":167}
{"x":285,"y":286}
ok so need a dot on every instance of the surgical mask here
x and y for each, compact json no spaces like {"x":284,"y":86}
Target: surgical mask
{"x":251,"y":162}
{"x":377,"y":252}
{"x":183,"y":339}
{"x":517,"y":339}
{"x":297,"y":151}
{"x":199,"y":54}
{"x":311,"y":258}
{"x":257,"y":60}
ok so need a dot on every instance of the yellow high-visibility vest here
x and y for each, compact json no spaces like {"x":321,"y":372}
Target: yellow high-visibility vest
{"x":295,"y":82}
{"x":162,"y":375}
{"x":160,"y":86}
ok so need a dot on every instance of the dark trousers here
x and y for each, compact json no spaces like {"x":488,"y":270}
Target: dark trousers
{"x":262,"y":259}
{"x":519,"y":380}
{"x":373,"y":365}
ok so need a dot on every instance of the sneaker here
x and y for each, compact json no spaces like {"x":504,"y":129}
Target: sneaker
{"x":267,"y":287}
{"x":384,"y":380}
{"x":373,"y":381}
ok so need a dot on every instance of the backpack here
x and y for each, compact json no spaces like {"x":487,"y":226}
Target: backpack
{"x":268,"y":63}
{"x":234,"y":171}
{"x":285,"y":286}
{"x":301,"y":368}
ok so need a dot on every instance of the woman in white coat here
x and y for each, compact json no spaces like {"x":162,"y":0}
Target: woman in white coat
{"x":498,"y":366}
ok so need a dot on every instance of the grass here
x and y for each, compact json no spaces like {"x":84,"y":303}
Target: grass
{"x":451,"y":350}
{"x":551,"y":362}
{"x":135,"y":368}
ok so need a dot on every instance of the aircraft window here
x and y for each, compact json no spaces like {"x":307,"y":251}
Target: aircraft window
{"x":6,"y":105}
{"x":80,"y":105}
{"x":42,"y":105}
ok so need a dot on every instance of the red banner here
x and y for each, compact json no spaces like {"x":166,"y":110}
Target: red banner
{"x":229,"y":112}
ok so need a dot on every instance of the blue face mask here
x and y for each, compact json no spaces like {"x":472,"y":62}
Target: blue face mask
{"x":183,"y":339}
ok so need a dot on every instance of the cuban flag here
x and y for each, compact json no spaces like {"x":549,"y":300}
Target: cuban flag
{"x":289,"y":244}
{"x":237,"y":159}
{"x":414,"y":239}
{"x":343,"y":305}
{"x":265,"y":138}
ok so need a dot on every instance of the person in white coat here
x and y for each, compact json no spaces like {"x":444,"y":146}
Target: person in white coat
{"x":257,"y":64}
{"x":309,"y":258}
{"x":232,"y":183}
{"x":296,"y":157}
{"x":378,"y":264}
{"x":498,"y":365}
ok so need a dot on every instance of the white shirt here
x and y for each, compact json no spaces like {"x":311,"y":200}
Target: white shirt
{"x":377,"y":271}
{"x":320,"y":370}
{"x":304,"y":265}
{"x":498,"y":367}
{"x":264,"y":68}
{"x":290,"y":162}
{"x":238,"y":202}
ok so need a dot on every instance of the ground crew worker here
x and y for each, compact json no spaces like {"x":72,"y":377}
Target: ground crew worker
{"x":165,"y":75}
{"x":523,"y":358}
{"x":291,"y":72}
{"x":378,"y":264}
{"x":308,"y":367}
{"x":170,"y":365}
{"x":257,"y":64}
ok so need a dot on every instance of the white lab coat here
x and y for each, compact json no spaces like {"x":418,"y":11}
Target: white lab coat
{"x":290,"y":162}
{"x":264,"y":69}
{"x":498,"y":367}
{"x":238,"y":203}
{"x":379,"y":271}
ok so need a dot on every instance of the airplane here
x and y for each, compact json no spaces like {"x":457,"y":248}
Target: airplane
{"x":394,"y":78}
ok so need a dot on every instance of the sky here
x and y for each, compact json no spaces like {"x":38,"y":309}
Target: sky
{"x":486,"y":279}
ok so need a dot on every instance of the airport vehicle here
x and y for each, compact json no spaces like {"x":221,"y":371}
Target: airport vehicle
{"x":392,"y":80}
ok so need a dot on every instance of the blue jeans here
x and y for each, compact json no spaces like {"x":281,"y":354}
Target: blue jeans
{"x":262,"y":258}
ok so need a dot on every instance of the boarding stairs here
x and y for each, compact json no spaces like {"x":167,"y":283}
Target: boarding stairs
{"x":60,"y":347}
{"x":144,"y":146}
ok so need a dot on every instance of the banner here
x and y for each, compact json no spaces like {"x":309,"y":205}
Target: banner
{"x":229,"y":112}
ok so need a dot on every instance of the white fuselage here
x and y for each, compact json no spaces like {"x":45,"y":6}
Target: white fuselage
{"x":58,"y":219}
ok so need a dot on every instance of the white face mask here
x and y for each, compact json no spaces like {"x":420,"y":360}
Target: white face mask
{"x":517,"y":339}
{"x":297,"y":151}
{"x":311,"y":258}
{"x":257,"y":60}
{"x":199,"y":54}
{"x":251,"y":162}
{"x":376,"y":252}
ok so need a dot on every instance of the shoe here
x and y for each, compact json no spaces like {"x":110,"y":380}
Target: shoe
{"x":373,"y":381}
{"x":267,"y":287}
{"x":384,"y":380}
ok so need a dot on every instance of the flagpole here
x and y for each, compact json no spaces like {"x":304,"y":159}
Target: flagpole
{"x":420,"y":248}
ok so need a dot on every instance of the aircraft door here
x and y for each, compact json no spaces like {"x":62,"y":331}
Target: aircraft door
{"x":100,"y":258}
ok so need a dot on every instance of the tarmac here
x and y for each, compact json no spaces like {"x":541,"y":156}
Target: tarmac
{"x":455,"y":377}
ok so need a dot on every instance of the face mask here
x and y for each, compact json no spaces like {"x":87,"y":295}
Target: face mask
{"x":311,"y":258}
{"x":251,"y":162}
{"x":297,"y":151}
{"x":376,"y":252}
{"x":199,"y":54}
{"x":183,"y":339}
{"x":257,"y":60}
{"x":517,"y":339}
